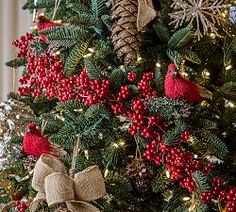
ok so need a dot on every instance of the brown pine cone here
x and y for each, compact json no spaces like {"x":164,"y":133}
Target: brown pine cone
{"x":125,"y":35}
{"x":141,"y":172}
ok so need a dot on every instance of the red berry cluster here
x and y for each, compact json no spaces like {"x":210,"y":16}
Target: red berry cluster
{"x":230,"y":198}
{"x":185,"y":135}
{"x":131,"y":76}
{"x":146,"y":125}
{"x":124,"y":93}
{"x":44,"y":76}
{"x":145,"y":86}
{"x":21,"y":205}
{"x":23,"y":44}
{"x":117,"y":108}
{"x":91,"y":91}
{"x":179,"y":162}
{"x":222,"y":192}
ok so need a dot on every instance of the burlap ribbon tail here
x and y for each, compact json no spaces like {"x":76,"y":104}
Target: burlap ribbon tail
{"x":146,"y":13}
{"x":53,"y":184}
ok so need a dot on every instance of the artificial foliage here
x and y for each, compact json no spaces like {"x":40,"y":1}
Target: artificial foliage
{"x":101,"y":86}
{"x":14,"y":180}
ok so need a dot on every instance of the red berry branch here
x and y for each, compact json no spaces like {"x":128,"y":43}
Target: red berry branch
{"x":45,"y":77}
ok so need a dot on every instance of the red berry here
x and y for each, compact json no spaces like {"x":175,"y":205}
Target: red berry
{"x":185,"y":135}
{"x":131,"y":76}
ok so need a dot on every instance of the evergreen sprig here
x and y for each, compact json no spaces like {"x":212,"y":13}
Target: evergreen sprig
{"x":168,"y":108}
{"x":74,"y":33}
{"x":215,"y":145}
{"x":201,"y":182}
{"x":76,"y":55}
{"x":173,"y":136}
{"x":16,"y":63}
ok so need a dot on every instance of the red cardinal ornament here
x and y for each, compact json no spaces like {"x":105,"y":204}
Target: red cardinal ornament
{"x":44,"y":23}
{"x":177,"y":87}
{"x":35,"y":144}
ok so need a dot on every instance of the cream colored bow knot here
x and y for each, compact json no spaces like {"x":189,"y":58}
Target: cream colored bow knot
{"x":146,"y":13}
{"x":54,"y":185}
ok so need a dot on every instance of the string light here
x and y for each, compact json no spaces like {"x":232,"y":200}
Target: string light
{"x":56,"y":53}
{"x":167,"y":174}
{"x":119,"y":144}
{"x":213,"y":35}
{"x":86,"y":153}
{"x":186,"y":199}
{"x":185,"y":74}
{"x":87,"y":55}
{"x":79,"y":110}
{"x":205,"y":104}
{"x":122,"y":67}
{"x":60,"y":117}
{"x":205,"y":74}
{"x":115,"y":145}
{"x":139,"y":59}
{"x":58,"y":21}
{"x":106,"y":173}
{"x":192,"y":139}
{"x":91,"y":50}
{"x":228,"y":67}
{"x":33,"y":27}
{"x":122,"y":143}
{"x":158,"y":65}
{"x":229,"y":104}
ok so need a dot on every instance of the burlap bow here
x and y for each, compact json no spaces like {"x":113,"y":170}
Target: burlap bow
{"x":54,"y":185}
{"x":146,"y":13}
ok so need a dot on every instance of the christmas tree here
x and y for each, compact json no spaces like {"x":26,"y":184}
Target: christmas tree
{"x":133,"y":107}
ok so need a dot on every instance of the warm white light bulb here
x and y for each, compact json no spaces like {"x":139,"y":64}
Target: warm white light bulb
{"x":115,"y":145}
{"x":228,"y":67}
{"x":167,"y":174}
{"x":186,"y":199}
{"x":87,"y":55}
{"x":91,"y":50}
{"x":86,"y":153}
{"x":122,"y":143}
{"x":106,"y":173}
{"x":139,"y":59}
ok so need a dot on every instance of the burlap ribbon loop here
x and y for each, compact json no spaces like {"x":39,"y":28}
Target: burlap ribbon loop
{"x":146,"y":13}
{"x":55,"y":186}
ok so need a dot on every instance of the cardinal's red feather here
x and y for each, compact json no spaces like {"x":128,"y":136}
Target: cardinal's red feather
{"x":35,"y":144}
{"x":181,"y":88}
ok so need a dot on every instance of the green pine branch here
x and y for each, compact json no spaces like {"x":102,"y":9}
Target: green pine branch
{"x":98,"y":7}
{"x":201,"y":182}
{"x":168,"y":108}
{"x":16,"y":63}
{"x":76,"y":55}
{"x":173,"y":136}
{"x":228,"y":90}
{"x":74,"y":33}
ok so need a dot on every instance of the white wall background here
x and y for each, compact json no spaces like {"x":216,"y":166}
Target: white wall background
{"x":13,"y":22}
